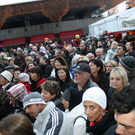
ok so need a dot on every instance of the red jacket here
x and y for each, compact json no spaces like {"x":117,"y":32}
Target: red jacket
{"x":76,"y":41}
{"x":28,"y":86}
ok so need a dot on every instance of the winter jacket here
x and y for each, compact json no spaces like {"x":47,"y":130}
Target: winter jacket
{"x":131,"y":77}
{"x":66,"y":84}
{"x":111,"y":130}
{"x":102,"y":126}
{"x":48,"y":70}
{"x":76,"y":42}
{"x":78,"y":118}
{"x":35,"y":85}
{"x":109,"y":52}
{"x":84,"y":52}
{"x":87,"y":85}
{"x":52,"y":121}
{"x":19,"y":61}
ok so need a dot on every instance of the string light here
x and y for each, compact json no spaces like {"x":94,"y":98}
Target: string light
{"x":53,"y":9}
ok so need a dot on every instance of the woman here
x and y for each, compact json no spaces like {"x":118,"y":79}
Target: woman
{"x":51,"y":92}
{"x":118,"y":81}
{"x":64,"y":76}
{"x":97,"y":74}
{"x":109,"y":44}
{"x":28,"y":60}
{"x":99,"y":120}
{"x":72,"y":101}
{"x":16,"y":124}
{"x":111,"y":51}
{"x":110,"y":65}
{"x":16,"y":94}
{"x":36,"y":79}
{"x":59,"y":61}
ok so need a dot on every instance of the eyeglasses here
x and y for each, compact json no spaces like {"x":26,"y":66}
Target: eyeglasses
{"x":78,"y":73}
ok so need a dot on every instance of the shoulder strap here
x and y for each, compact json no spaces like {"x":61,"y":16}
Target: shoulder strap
{"x":77,"y":118}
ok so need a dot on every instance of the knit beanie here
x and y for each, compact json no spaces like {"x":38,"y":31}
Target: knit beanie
{"x":33,"y":98}
{"x":96,"y":95}
{"x":128,"y":62}
{"x":7,"y":75}
{"x":60,"y":60}
{"x":24,"y":77}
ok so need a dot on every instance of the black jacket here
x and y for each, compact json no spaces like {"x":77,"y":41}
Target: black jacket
{"x":84,"y":52}
{"x":111,"y":130}
{"x":102,"y":126}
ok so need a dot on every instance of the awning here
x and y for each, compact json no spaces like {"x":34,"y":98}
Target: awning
{"x":40,"y":38}
{"x":14,"y":41}
{"x":129,"y":22}
{"x":69,"y":35}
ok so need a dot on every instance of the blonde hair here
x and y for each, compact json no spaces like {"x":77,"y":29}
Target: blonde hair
{"x":113,"y":62}
{"x":83,"y":58}
{"x":122,"y":73}
{"x":114,"y":42}
{"x":29,"y":58}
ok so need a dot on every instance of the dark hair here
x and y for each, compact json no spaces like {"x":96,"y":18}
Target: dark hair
{"x":39,"y":53}
{"x":98,"y":63}
{"x":18,"y":69}
{"x":52,"y":57}
{"x":132,"y":53}
{"x":66,"y":70}
{"x":123,"y":46}
{"x":62,"y":61}
{"x":36,"y":70}
{"x":16,"y":124}
{"x":124,"y":101}
{"x":51,"y":78}
{"x":44,"y":59}
{"x":52,"y":87}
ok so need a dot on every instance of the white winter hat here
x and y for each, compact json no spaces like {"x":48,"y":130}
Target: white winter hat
{"x":7,"y":75}
{"x":96,"y":95}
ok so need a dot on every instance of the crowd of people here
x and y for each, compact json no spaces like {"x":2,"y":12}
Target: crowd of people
{"x":85,"y":87}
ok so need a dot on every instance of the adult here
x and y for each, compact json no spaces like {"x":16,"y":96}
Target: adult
{"x":110,"y":65}
{"x":120,"y":52}
{"x":123,"y":104}
{"x":90,"y":56}
{"x":19,"y":58}
{"x":129,"y":47}
{"x":64,"y":76}
{"x":99,"y":54}
{"x":15,"y":94}
{"x":97,"y":74}
{"x":47,"y":68}
{"x":49,"y":119}
{"x":16,"y":124}
{"x":128,"y":64}
{"x":5,"y":80}
{"x":83,"y":49}
{"x":99,"y":120}
{"x":34,"y":48}
{"x":72,"y":101}
{"x":17,"y":72}
{"x":10,"y":69}
{"x":36,"y":79}
{"x":51,"y":92}
{"x":99,"y":43}
{"x":111,"y":51}
{"x":28,"y":60}
{"x":82,"y":77}
{"x":118,"y":81}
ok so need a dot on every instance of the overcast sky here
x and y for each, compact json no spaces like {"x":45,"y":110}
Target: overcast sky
{"x":9,"y":2}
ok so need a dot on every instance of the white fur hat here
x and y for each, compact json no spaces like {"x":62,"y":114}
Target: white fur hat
{"x":7,"y":75}
{"x":96,"y":95}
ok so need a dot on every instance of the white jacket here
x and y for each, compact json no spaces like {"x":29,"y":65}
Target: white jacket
{"x":80,"y":123}
{"x":52,"y":121}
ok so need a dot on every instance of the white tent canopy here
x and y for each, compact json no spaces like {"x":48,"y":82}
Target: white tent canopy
{"x":129,"y":21}
{"x":112,"y":23}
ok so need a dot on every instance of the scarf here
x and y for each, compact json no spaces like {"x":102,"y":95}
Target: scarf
{"x":96,"y":79}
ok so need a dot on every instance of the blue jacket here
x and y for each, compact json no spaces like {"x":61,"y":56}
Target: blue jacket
{"x":109,"y":52}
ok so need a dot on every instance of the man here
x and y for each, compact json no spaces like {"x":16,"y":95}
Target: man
{"x":19,"y":58}
{"x":49,"y":119}
{"x":123,"y":104}
{"x":129,"y":47}
{"x":82,"y":77}
{"x":128,"y":64}
{"x":83,"y":49}
{"x":99,"y":43}
{"x":34,"y":48}
{"x":120,"y":52}
{"x":48,"y":68}
{"x":90,"y":56}
{"x":17,"y":72}
{"x":99,"y":54}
